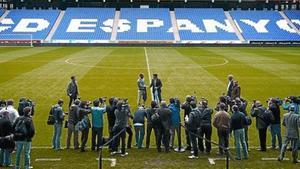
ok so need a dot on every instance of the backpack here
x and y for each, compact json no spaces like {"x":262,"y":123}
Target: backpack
{"x":51,"y":119}
{"x":155,"y":118}
{"x":21,"y":131}
{"x":83,"y":124}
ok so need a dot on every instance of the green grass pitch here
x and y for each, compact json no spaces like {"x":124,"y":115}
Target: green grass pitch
{"x":42,"y":74}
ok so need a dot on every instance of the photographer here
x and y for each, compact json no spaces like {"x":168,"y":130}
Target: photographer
{"x":175,"y":123}
{"x":274,"y":107}
{"x":164,"y":132}
{"x":139,"y":125}
{"x":205,"y":127}
{"x":25,"y":103}
{"x":263,"y":119}
{"x":97,"y":123}
{"x":84,"y":124}
{"x":59,"y":116}
{"x":73,"y":118}
{"x":6,"y":129}
{"x":23,"y":133}
{"x":242,"y":105}
{"x":122,"y":114}
{"x":150,"y":111}
{"x":291,"y":101}
{"x":111,"y":118}
{"x":187,"y":110}
{"x":222,"y":99}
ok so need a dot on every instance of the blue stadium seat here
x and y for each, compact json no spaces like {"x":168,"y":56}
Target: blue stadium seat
{"x":87,"y":24}
{"x":270,"y":26}
{"x":294,"y":17}
{"x":22,"y":24}
{"x":203,"y":24}
{"x":145,"y":24}
{"x":1,"y":11}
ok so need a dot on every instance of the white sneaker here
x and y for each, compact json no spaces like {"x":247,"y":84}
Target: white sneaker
{"x":123,"y":155}
{"x":193,"y":157}
{"x":113,"y":153}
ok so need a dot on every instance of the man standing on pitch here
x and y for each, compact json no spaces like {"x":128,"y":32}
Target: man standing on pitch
{"x":230,"y":85}
{"x":72,"y":90}
{"x":142,"y":93}
{"x":156,"y":88}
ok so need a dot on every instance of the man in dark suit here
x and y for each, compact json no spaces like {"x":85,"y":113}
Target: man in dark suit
{"x":230,"y":85}
{"x":72,"y":90}
{"x":156,"y":88}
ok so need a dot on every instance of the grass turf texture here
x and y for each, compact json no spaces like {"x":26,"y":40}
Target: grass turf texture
{"x":43,"y":73}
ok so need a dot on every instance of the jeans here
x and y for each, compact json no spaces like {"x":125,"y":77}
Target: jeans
{"x":72,"y":99}
{"x":97,"y":133}
{"x":84,"y":138}
{"x":142,"y":95}
{"x":194,"y":139}
{"x":223,"y":139}
{"x":150,"y":126}
{"x":116,"y":140}
{"x":27,"y":146}
{"x":263,"y":139}
{"x":71,"y":130}
{"x":139,"y":135}
{"x":276,"y":131}
{"x":163,"y":135}
{"x":294,"y":142}
{"x":56,"y":136}
{"x":5,"y":157}
{"x":206,"y":131}
{"x":130,"y":133}
{"x":239,"y":139}
{"x":188,"y":140}
{"x":157,"y":96}
{"x":172,"y":132}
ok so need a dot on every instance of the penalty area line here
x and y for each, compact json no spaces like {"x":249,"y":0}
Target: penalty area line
{"x":113,"y":161}
{"x":47,"y":159}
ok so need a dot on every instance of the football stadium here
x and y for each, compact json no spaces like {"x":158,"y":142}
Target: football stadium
{"x":149,"y":84}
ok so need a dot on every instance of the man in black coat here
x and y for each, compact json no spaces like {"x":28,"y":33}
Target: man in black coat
{"x":149,"y":112}
{"x":187,"y":110}
{"x":164,"y":130}
{"x":6,"y":129}
{"x":156,"y":85}
{"x":230,"y":85}
{"x":111,"y":118}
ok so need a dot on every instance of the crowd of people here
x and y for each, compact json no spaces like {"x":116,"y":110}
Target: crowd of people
{"x":162,"y":117}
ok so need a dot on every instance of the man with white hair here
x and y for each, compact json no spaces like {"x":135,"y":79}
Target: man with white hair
{"x":291,"y":121}
{"x":13,"y":113}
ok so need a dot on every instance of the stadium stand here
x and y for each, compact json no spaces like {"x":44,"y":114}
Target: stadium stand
{"x":264,"y":26}
{"x":85,"y":25}
{"x":294,"y":16}
{"x":27,"y":24}
{"x":204,"y":24}
{"x":145,"y":24}
{"x":1,"y":11}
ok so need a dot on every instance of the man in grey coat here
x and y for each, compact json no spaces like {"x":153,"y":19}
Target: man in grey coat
{"x":291,"y":121}
{"x":72,"y":90}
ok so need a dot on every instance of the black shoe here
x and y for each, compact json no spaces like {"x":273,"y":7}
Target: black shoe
{"x":188,"y":148}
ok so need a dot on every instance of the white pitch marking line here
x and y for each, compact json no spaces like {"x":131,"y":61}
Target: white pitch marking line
{"x":273,"y":159}
{"x":148,"y":68}
{"x":212,"y":160}
{"x":112,"y":160}
{"x":48,"y":159}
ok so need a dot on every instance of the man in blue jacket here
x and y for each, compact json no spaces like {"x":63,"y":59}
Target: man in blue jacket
{"x":59,"y":116}
{"x":139,"y":125}
{"x":175,"y":122}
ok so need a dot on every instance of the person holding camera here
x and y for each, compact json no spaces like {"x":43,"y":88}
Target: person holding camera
{"x":73,"y":118}
{"x":175,"y":123}
{"x":23,"y":133}
{"x":142,"y":93}
{"x":122,"y":114}
{"x":59,"y":116}
{"x":263,"y":119}
{"x":187,"y":110}
{"x":111,"y":118}
{"x":205,"y":127}
{"x":163,"y":135}
{"x":237,"y":123}
{"x":291,"y":121}
{"x":72,"y":90}
{"x":97,"y":123}
{"x":84,"y":123}
{"x":156,"y":86}
{"x":6,"y":129}
{"x":193,"y":122}
{"x":222,"y":123}
{"x":274,"y":107}
{"x":149,"y":113}
{"x":242,"y":105}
